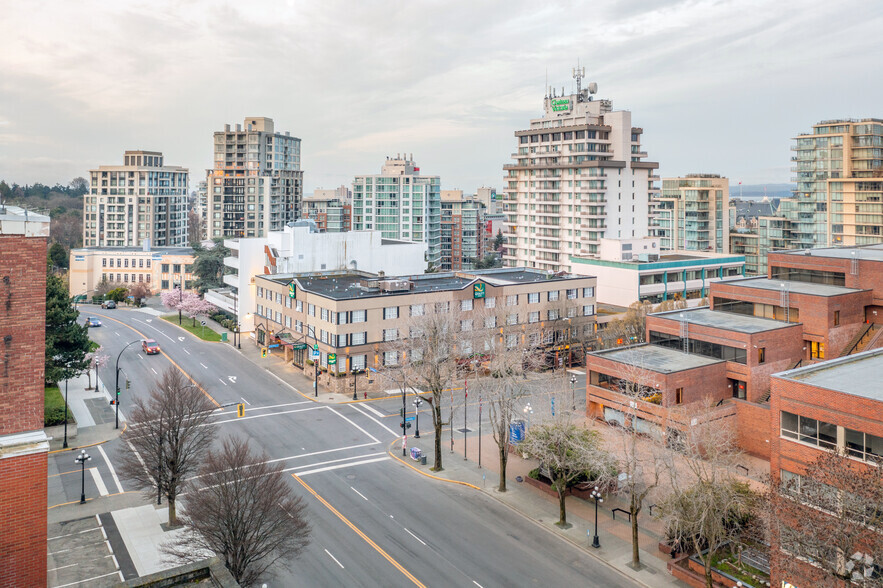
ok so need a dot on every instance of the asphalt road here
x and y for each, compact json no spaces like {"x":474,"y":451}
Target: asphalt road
{"x":389,"y":526}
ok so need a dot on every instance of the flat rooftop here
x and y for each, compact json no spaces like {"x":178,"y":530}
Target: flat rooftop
{"x":792,"y":286}
{"x":109,"y":250}
{"x":871,"y":252}
{"x":860,"y":374}
{"x":728,"y":321}
{"x":656,"y":359}
{"x":342,"y":285}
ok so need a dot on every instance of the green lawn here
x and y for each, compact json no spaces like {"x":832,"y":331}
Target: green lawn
{"x":204,"y":333}
{"x":53,"y":409}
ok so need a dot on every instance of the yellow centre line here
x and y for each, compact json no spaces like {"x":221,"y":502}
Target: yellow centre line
{"x":360,"y":533}
{"x":172,"y":361}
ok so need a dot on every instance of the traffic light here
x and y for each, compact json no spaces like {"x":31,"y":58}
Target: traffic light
{"x":240,"y":410}
{"x":405,"y":425}
{"x":263,"y":352}
{"x":128,"y":384}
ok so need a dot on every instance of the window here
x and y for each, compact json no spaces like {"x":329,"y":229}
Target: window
{"x":390,"y":334}
{"x":808,"y":430}
{"x":836,"y":318}
{"x":278,"y":298}
{"x":588,"y":310}
{"x":571,"y":311}
{"x":417,"y":310}
{"x":553,"y":295}
{"x":103,"y":262}
{"x":442,"y":307}
{"x":466,"y":325}
{"x":165,"y":270}
{"x":512,"y":319}
{"x":260,"y":290}
{"x":512,"y":300}
{"x":511,"y":341}
{"x":533,"y":317}
{"x":417,"y":355}
{"x":816,"y":350}
{"x":490,"y":302}
{"x":588,"y":292}
{"x":299,"y":326}
{"x":278,"y":317}
{"x":533,"y":298}
{"x":324,"y":314}
{"x":260,"y":310}
{"x":466,"y":304}
{"x":360,"y":316}
{"x":165,"y":284}
{"x":761,"y":354}
{"x":358,"y":362}
{"x":177,"y":268}
{"x":679,"y":396}
{"x":299,"y":305}
{"x":390,"y":358}
{"x":287,"y":302}
{"x":288,"y":321}
{"x":864,"y":445}
{"x":554,"y":314}
{"x":311,"y":309}
{"x":390,"y":312}
{"x":358,"y":338}
{"x":572,"y":294}
{"x":490,"y":322}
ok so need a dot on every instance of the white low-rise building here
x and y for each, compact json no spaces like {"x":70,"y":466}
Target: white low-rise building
{"x":301,"y":248}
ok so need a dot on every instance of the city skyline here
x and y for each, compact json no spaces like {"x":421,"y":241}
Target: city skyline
{"x":447,"y":83}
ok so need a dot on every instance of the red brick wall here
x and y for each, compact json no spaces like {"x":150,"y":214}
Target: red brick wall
{"x":870,"y":273}
{"x":22,"y":332}
{"x":23,"y":521}
{"x":753,"y":428}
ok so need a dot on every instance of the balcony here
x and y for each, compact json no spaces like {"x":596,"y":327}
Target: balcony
{"x":232,"y":262}
{"x":223,"y":298}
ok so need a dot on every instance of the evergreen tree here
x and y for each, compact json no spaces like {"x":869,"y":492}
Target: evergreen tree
{"x":67,"y":342}
{"x":209,"y":265}
{"x":58,"y":257}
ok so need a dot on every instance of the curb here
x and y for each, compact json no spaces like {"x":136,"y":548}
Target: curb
{"x":421,"y":472}
{"x":123,"y":430}
{"x":162,"y":318}
{"x":523,"y":514}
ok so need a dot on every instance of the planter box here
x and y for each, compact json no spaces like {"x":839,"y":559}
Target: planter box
{"x":668,"y":550}
{"x":545,"y":487}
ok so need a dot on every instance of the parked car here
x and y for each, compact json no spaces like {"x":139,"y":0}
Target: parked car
{"x":108,"y":304}
{"x":92,"y":322}
{"x":150,"y":346}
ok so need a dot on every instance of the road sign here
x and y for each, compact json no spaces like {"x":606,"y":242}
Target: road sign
{"x":203,"y":323}
{"x":315,"y":354}
{"x":240,"y":410}
{"x":332,"y":359}
{"x":410,"y":418}
{"x":315,"y":347}
{"x":299,"y":346}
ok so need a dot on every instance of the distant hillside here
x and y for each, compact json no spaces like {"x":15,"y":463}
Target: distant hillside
{"x":63,"y":204}
{"x":757,"y":190}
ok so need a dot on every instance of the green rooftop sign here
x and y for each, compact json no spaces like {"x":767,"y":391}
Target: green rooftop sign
{"x":559,"y":104}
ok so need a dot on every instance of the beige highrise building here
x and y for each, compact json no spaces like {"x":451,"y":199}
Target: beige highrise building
{"x":256,"y":185}
{"x":692,"y":213}
{"x":579,"y":176}
{"x":141,"y":200}
{"x":839,"y":194}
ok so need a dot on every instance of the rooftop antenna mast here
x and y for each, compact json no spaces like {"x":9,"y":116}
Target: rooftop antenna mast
{"x":578,"y":74}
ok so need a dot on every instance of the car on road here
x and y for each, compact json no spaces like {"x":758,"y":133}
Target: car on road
{"x":92,"y":322}
{"x":150,"y":346}
{"x":108,"y":304}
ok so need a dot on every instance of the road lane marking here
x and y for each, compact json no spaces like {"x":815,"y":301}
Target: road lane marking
{"x":370,"y":436}
{"x":222,"y":381}
{"x":374,"y":410}
{"x":360,"y":533}
{"x":203,"y":365}
{"x":322,"y":463}
{"x":99,"y":483}
{"x":329,"y":555}
{"x":187,"y":352}
{"x":172,"y":361}
{"x":258,"y":416}
{"x":357,"y":408}
{"x":477,"y":584}
{"x":245,"y":401}
{"x":63,"y":567}
{"x":343,"y":465}
{"x":414,"y":536}
{"x":155,"y":328}
{"x":232,"y":379}
{"x":154,"y":371}
{"x":87,"y":580}
{"x":72,"y":534}
{"x":140,"y":356}
{"x":113,"y":473}
{"x":357,"y":492}
{"x":117,"y":334}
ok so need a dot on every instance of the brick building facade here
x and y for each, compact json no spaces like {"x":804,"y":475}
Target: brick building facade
{"x":23,"y":445}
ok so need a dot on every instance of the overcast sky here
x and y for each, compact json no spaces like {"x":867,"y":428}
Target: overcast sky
{"x":718,"y":87}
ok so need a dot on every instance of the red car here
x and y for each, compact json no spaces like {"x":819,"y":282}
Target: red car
{"x":150,"y":346}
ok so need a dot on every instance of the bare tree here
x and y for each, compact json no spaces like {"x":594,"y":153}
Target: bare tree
{"x":194,"y":226}
{"x":139,"y":292}
{"x":241,"y":508}
{"x":568,"y":451}
{"x":640,"y":469}
{"x":831,"y":515}
{"x":167,"y":437}
{"x":429,"y":356}
{"x":706,"y":507}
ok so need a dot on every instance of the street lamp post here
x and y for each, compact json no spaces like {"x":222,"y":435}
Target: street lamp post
{"x":117,"y":385}
{"x":417,"y":402}
{"x":82,"y":459}
{"x":180,"y":300}
{"x":596,"y":496}
{"x":528,"y":410}
{"x":573,"y":389}
{"x":355,"y":381}
{"x":64,"y":445}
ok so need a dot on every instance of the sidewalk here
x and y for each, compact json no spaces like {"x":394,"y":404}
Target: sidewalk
{"x":542,"y":508}
{"x":93,"y":412}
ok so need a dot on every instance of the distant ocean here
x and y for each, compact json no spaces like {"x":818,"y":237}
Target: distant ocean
{"x":758,"y":191}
